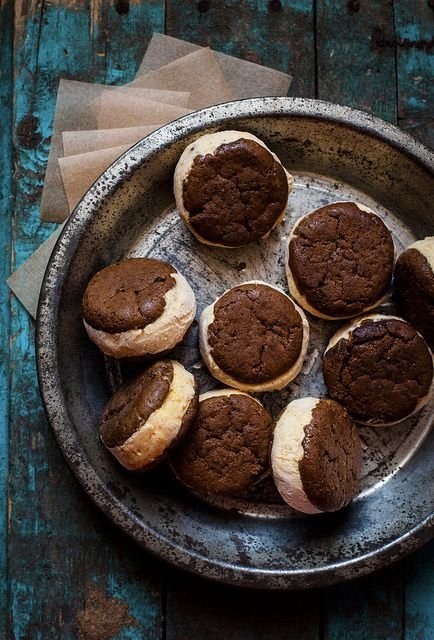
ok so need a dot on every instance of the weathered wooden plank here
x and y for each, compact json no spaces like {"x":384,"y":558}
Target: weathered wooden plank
{"x":71,"y":574}
{"x":370,"y":608}
{"x":6,"y":161}
{"x":197,"y":609}
{"x":275,"y":33}
{"x":353,"y":66}
{"x":419,"y":595}
{"x":414,"y":29}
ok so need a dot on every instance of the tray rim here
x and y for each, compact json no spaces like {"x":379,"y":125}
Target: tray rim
{"x":49,"y":383}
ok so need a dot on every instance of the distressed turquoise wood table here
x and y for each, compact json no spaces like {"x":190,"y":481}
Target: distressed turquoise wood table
{"x":65,"y":572}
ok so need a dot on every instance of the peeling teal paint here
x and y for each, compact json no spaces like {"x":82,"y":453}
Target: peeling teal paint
{"x":58,"y":541}
{"x":414,"y":30}
{"x":352,"y":68}
{"x":6,"y":157}
{"x":60,"y":545}
{"x":278,"y":34}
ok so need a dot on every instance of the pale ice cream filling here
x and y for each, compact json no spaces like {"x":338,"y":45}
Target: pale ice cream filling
{"x":161,"y":335}
{"x":287,"y":451}
{"x":426,"y":248}
{"x":216,"y":393}
{"x":156,"y":434}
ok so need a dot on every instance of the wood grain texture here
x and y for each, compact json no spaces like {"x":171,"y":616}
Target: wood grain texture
{"x":71,"y":575}
{"x":197,"y":609}
{"x":353,"y":68}
{"x":370,"y":608}
{"x":414,"y":40}
{"x":6,"y":186}
{"x":276,"y":33}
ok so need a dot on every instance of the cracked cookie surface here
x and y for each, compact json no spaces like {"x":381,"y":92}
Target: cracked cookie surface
{"x":256,"y":334}
{"x":133,"y":403}
{"x":380,"y":372}
{"x":414,"y":291}
{"x":127,"y":295}
{"x":341,"y":259}
{"x":227,"y":448}
{"x":330,"y":466}
{"x":235,"y":195}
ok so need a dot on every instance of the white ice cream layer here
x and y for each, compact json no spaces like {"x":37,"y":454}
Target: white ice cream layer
{"x":207,"y":318}
{"x":162,"y":427}
{"x":295,"y":291}
{"x":161,"y":335}
{"x":287,"y":451}
{"x":203,"y":146}
{"x":218,"y":393}
{"x":426,"y":248}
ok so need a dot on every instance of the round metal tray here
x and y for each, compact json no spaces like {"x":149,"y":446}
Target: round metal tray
{"x":334,"y":153}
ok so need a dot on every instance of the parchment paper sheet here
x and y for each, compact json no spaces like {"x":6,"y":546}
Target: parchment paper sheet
{"x":82,"y":109}
{"x":75,"y":142}
{"x":246,"y":79}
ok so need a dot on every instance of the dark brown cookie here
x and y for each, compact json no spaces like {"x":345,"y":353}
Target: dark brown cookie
{"x":330,"y":466}
{"x":235,"y":195}
{"x":341,"y":259}
{"x":189,"y":416}
{"x":134,"y":401}
{"x":227,"y":448}
{"x":381,"y":372}
{"x":127,"y":295}
{"x":414,"y":291}
{"x":257,"y":333}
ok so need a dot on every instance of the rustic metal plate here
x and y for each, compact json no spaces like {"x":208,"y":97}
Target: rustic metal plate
{"x":334,"y":153}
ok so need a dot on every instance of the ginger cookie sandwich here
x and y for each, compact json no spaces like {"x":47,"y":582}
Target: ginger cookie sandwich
{"x":138,"y":307}
{"x":230,"y":189}
{"x":339,"y":260}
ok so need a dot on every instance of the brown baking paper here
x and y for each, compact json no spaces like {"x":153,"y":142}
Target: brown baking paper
{"x":75,"y":142}
{"x":198,"y":73}
{"x":26,"y":281}
{"x":243,"y":79}
{"x":78,"y":106}
{"x":246,"y":79}
{"x":128,"y":107}
{"x":80,"y":172}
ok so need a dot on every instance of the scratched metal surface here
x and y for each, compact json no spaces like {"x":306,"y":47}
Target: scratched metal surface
{"x":65,"y":572}
{"x":211,"y":272}
{"x":126,"y":212}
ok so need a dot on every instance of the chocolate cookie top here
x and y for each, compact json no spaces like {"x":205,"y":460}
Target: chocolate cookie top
{"x":341,"y":259}
{"x":127,"y":295}
{"x":380,"y":372}
{"x":235,"y":195}
{"x":227,"y":448}
{"x":332,"y":459}
{"x":134,"y":401}
{"x":257,"y":333}
{"x":414,"y":291}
